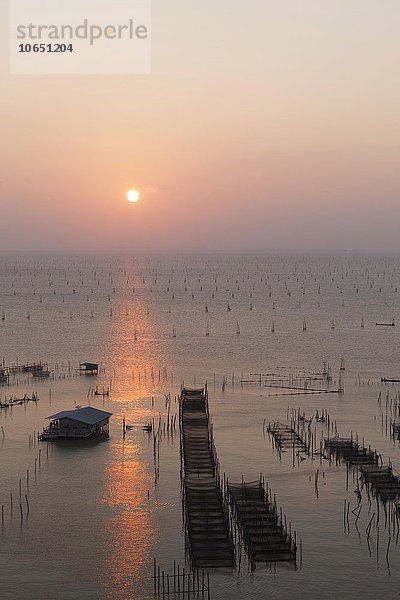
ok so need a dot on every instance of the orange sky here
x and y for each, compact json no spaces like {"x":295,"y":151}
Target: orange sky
{"x":266,"y":125}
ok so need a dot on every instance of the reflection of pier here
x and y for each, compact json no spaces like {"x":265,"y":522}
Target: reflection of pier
{"x":207,"y":529}
{"x":265,"y":533}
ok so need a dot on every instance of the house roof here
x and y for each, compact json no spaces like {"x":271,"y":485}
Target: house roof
{"x":88,"y":415}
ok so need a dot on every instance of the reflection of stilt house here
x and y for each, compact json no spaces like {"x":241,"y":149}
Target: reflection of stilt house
{"x":89,"y":368}
{"x":78,"y":423}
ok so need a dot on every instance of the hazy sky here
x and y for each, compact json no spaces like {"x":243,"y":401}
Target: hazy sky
{"x":263,"y":125}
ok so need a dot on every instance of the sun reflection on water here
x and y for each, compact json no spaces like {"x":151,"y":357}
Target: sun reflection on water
{"x":131,"y":531}
{"x":134,"y":351}
{"x":134,"y":354}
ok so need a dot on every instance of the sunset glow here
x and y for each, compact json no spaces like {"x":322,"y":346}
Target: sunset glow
{"x":289,"y":139}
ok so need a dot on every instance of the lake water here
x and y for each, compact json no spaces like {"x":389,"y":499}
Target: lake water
{"x":97,"y":518}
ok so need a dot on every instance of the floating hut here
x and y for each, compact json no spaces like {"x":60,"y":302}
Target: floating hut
{"x":78,"y":423}
{"x":89,"y":368}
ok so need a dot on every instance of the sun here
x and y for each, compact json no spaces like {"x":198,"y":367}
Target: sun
{"x":133,"y":196}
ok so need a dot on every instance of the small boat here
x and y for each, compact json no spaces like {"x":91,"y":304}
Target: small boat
{"x":16,"y":401}
{"x":390,"y":379}
{"x":41,"y":373}
{"x":392,"y":324}
{"x":147,"y":427}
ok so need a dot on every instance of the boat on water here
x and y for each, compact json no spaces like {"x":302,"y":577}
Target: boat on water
{"x":390,"y":379}
{"x":147,"y":427}
{"x":14,"y":401}
{"x":41,"y":373}
{"x":383,"y":324}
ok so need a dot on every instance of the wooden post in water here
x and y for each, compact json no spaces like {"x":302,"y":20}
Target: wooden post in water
{"x":155,"y":575}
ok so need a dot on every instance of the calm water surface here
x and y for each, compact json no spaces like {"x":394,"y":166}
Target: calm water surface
{"x":96,"y":517}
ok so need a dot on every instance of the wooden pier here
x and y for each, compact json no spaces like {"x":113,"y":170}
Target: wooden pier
{"x":383,"y":480}
{"x":351,"y":451}
{"x":207,"y":526}
{"x":264,"y":530}
{"x":285,"y":436}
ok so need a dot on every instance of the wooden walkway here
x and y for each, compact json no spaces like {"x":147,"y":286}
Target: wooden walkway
{"x":382,"y":479}
{"x":350,"y":451}
{"x":265,"y":532}
{"x":286,"y":436}
{"x":207,"y":526}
